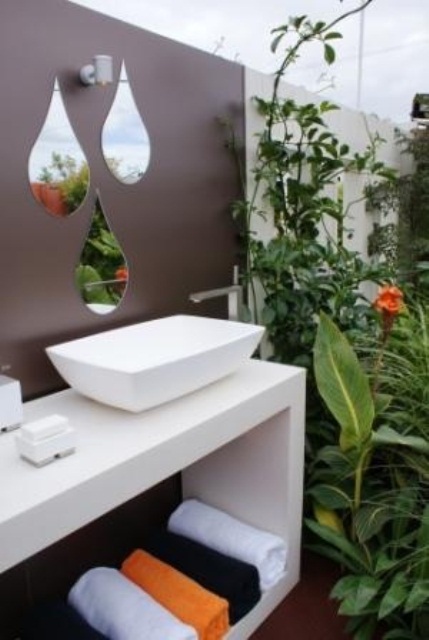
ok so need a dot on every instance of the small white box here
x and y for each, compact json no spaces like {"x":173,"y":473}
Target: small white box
{"x":45,"y":440}
{"x":11,"y":411}
{"x":44,"y":428}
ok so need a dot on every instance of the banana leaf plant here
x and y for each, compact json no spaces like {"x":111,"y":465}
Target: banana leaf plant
{"x":369,"y":497}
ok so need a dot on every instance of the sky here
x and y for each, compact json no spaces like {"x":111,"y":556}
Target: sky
{"x":393,"y":36}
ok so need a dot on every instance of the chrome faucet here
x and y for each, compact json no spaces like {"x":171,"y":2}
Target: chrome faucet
{"x":235,"y":298}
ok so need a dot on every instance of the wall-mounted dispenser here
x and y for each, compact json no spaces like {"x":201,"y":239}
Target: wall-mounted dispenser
{"x":11,"y":411}
{"x":99,"y":73}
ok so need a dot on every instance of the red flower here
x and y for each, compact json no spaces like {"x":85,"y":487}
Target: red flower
{"x":389,"y":300}
{"x":121,"y":274}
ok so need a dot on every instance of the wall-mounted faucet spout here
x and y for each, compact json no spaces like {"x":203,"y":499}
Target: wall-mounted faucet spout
{"x":235,"y":298}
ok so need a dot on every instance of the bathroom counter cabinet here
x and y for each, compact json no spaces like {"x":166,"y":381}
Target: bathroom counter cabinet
{"x":239,"y":444}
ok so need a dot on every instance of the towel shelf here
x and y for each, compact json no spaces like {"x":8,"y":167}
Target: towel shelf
{"x":239,"y":444}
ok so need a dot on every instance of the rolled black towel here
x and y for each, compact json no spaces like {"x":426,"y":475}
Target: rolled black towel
{"x":232,"y":579}
{"x":57,"y":621}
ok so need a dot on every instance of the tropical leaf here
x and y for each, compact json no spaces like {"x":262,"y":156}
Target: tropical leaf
{"x":419,"y":595}
{"x":330,"y":496}
{"x":355,"y":593}
{"x":395,"y":595}
{"x":381,"y":402}
{"x":333,"y":554}
{"x":340,"y":542}
{"x":385,"y":563}
{"x":404,"y":507}
{"x":370,"y":519}
{"x":328,"y":518}
{"x":337,"y":461}
{"x":343,"y":384}
{"x":385,"y":435}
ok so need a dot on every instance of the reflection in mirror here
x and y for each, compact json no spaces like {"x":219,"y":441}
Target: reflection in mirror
{"x":102,"y":273}
{"x":125,"y":140}
{"x":57,"y":167}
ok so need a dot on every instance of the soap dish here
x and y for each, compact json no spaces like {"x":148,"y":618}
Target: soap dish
{"x":45,"y":440}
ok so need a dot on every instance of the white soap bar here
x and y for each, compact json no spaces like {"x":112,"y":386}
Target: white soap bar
{"x":44,"y":427}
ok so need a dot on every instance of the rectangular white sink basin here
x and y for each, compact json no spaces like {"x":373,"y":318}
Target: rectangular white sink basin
{"x":149,"y":363}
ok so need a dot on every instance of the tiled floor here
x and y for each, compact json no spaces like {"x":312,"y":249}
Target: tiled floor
{"x":307,"y":613}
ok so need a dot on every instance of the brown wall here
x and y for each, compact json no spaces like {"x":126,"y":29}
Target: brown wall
{"x":174,"y":226}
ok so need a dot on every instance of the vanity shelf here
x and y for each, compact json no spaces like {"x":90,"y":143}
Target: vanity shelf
{"x":239,"y":444}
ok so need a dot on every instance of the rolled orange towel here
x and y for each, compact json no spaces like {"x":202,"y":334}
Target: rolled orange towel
{"x":183,"y":597}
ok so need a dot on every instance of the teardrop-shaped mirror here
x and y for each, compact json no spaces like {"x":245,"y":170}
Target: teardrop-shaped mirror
{"x":57,"y":167}
{"x":102,"y":273}
{"x":124,"y":139}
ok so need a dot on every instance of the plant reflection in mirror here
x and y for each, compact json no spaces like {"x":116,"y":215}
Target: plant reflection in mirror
{"x":102,"y":274}
{"x":66,"y":181}
{"x":56,"y":161}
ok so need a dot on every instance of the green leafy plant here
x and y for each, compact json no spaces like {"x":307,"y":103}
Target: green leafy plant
{"x":297,"y":177}
{"x":367,"y":449}
{"x":407,"y":242}
{"x":96,"y":275}
{"x":369,"y":490}
{"x":100,"y":263}
{"x":71,"y":178}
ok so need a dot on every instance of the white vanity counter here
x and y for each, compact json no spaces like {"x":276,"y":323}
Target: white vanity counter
{"x":238,"y":442}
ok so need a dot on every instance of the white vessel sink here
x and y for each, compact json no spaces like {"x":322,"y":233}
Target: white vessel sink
{"x":146,"y":364}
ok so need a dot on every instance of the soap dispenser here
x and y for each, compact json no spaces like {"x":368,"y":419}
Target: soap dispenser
{"x":11,"y":410}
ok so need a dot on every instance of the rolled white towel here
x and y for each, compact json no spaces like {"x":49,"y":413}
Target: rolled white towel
{"x":120,"y":610}
{"x":226,"y":534}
